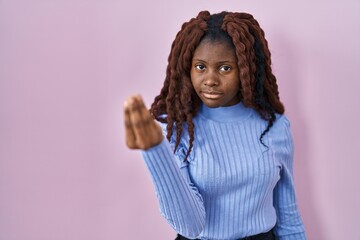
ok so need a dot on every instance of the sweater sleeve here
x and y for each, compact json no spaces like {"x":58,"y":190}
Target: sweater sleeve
{"x":289,"y":225}
{"x":180,"y":202}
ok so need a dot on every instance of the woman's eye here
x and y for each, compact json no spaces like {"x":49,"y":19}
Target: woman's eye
{"x":225,"y":68}
{"x":200,"y":67}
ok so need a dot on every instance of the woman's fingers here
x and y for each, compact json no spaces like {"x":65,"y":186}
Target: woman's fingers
{"x":146,"y":135}
{"x":138,"y":122}
{"x":142,"y":132}
{"x":129,"y":132}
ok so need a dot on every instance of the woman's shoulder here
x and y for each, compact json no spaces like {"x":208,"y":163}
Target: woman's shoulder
{"x":281,"y":122}
{"x":280,"y":132}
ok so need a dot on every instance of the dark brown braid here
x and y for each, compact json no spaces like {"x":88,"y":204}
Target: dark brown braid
{"x":177,"y":104}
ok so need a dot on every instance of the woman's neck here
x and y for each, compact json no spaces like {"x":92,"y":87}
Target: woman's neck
{"x":234,"y":113}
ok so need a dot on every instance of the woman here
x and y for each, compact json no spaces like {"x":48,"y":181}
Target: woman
{"x":224,"y":170}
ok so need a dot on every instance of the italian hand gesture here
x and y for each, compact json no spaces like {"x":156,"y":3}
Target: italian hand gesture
{"x":142,"y":132}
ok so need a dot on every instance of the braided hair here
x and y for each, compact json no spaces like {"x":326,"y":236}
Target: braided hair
{"x":178,"y":102}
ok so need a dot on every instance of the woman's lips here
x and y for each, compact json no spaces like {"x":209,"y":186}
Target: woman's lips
{"x":211,"y":95}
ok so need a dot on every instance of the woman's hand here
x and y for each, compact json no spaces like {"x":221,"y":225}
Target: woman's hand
{"x":142,"y":132}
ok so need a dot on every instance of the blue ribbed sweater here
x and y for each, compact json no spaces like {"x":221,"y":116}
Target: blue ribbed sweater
{"x":232,"y":186}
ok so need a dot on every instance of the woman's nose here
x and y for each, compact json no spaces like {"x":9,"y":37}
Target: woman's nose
{"x":211,"y":79}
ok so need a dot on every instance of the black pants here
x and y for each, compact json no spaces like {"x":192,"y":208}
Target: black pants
{"x":262,"y":236}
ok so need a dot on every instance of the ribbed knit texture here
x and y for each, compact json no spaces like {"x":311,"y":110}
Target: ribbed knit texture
{"x":232,"y":186}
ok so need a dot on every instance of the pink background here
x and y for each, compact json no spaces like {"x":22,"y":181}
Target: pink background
{"x":66,"y":68}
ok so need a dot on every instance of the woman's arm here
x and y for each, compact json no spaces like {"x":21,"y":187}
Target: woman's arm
{"x":180,"y":202}
{"x":289,"y":225}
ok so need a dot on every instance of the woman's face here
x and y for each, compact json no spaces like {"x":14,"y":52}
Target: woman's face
{"x":215,"y":74}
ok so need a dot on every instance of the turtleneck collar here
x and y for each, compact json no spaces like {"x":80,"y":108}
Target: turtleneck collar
{"x":234,"y":113}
